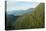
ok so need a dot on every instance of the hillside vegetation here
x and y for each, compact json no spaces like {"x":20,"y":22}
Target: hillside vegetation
{"x":34,"y":20}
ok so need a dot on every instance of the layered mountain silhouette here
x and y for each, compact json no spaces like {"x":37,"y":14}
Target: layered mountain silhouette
{"x":20,"y":12}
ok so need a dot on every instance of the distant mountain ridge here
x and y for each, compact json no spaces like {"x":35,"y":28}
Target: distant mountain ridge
{"x":20,"y":12}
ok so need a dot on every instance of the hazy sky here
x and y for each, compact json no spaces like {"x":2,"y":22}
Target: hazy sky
{"x":20,"y":5}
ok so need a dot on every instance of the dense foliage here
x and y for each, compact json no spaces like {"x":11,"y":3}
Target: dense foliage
{"x":34,"y":20}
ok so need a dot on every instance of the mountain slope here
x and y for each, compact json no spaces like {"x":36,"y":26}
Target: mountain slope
{"x":34,"y":20}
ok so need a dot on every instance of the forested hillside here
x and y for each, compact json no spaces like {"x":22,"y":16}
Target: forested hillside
{"x":34,"y":20}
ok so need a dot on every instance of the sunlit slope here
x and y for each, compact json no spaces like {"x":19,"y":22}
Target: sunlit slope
{"x":34,"y":20}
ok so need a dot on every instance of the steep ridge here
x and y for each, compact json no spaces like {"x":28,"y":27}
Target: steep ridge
{"x":34,"y":20}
